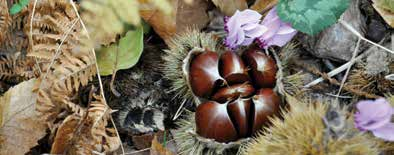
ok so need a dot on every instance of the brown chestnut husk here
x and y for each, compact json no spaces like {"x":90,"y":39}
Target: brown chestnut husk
{"x":263,"y":68}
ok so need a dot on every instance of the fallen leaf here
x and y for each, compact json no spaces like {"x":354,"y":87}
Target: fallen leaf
{"x":64,"y":135}
{"x":158,"y":149}
{"x":228,"y":7}
{"x":261,"y":5}
{"x":122,"y":56}
{"x":184,"y":15}
{"x":385,"y":13}
{"x":113,"y":16}
{"x":191,"y":15}
{"x":163,"y":24}
{"x":20,"y":126}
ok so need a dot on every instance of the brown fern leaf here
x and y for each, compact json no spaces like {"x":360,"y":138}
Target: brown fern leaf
{"x":52,"y":21}
{"x":15,"y":68}
{"x":82,"y":135}
{"x":5,"y":19}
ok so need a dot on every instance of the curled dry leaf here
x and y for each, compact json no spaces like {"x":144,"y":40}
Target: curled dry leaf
{"x":228,"y":7}
{"x":183,"y":15}
{"x":158,"y":149}
{"x":261,"y":5}
{"x":20,"y":128}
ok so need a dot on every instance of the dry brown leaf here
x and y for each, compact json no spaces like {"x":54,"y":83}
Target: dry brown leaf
{"x":20,"y":127}
{"x":261,"y":5}
{"x":191,"y":15}
{"x":228,"y":7}
{"x":387,"y":15}
{"x":158,"y":149}
{"x":163,"y":24}
{"x":182,"y":16}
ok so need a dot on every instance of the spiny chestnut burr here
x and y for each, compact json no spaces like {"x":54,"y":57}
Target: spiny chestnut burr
{"x":263,"y":68}
{"x":232,"y":68}
{"x":204,"y":74}
{"x":213,"y":121}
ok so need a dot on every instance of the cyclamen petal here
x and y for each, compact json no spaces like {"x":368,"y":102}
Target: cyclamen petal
{"x":375,"y":116}
{"x":278,"y":34}
{"x":386,"y":132}
{"x":243,"y":28}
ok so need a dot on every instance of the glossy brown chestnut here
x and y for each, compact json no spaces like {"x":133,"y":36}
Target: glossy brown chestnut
{"x":239,"y":111}
{"x":204,"y":74}
{"x":263,"y":68}
{"x":233,"y":92}
{"x":265,"y":104}
{"x":232,"y":68}
{"x":213,"y":121}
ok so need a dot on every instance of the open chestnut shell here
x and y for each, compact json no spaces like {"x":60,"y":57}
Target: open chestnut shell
{"x":238,"y":104}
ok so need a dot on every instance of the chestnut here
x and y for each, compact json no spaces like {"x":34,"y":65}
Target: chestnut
{"x":232,"y":92}
{"x":263,"y":68}
{"x":213,"y":121}
{"x":265,"y":104}
{"x":239,"y":111}
{"x":204,"y":74}
{"x":232,"y":68}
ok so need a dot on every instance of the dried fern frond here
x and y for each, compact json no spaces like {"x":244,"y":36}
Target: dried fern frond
{"x":312,"y":128}
{"x":52,"y":21}
{"x":82,"y":135}
{"x":5,"y":19}
{"x":15,"y":68}
{"x":180,"y":48}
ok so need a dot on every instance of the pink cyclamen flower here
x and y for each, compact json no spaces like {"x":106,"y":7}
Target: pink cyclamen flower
{"x":375,"y":116}
{"x":279,"y":33}
{"x":243,"y":28}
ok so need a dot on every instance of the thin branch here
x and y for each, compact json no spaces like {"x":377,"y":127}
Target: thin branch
{"x":31,"y":33}
{"x":342,"y":68}
{"x":351,"y":29}
{"x":350,"y":66}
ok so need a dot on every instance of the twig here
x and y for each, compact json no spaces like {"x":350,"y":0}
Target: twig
{"x":98,"y":74}
{"x":111,"y":84}
{"x":350,"y":66}
{"x":341,"y":68}
{"x":351,"y":29}
{"x":334,"y":81}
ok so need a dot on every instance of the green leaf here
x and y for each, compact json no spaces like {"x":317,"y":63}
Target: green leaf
{"x":24,"y":2}
{"x":15,"y":8}
{"x":122,"y":56}
{"x":311,"y":16}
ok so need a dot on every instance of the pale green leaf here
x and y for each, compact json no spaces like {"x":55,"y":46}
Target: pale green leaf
{"x":122,"y":56}
{"x":311,"y":16}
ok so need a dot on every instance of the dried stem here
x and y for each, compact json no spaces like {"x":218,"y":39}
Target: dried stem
{"x":350,"y":66}
{"x":334,"y":81}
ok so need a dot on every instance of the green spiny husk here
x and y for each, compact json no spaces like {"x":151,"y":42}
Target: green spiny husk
{"x":304,"y":131}
{"x":179,"y":48}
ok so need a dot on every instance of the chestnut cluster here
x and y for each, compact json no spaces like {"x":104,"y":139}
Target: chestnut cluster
{"x":239,"y":93}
